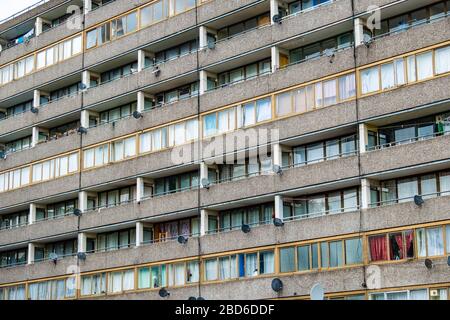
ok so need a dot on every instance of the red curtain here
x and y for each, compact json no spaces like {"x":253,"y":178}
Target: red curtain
{"x":396,"y":246}
{"x":378,"y":251}
{"x":409,"y":238}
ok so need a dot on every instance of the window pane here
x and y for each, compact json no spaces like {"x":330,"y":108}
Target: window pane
{"x":407,"y":189}
{"x":263,"y":109}
{"x":347,"y":87}
{"x":425,"y":65}
{"x":370,"y":80}
{"x":284,"y":103}
{"x":353,"y":251}
{"x":435,"y":242}
{"x":329,"y":92}
{"x":287,"y":259}
{"x":442,"y":60}
{"x":336,"y":254}
{"x":387,"y":76}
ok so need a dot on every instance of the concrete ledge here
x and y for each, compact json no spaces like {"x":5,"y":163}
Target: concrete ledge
{"x":38,"y":230}
{"x":41,"y":151}
{"x":40,"y":190}
{"x":396,"y":44}
{"x":406,"y":155}
{"x":139,"y":80}
{"x":55,"y":109}
{"x":41,"y":77}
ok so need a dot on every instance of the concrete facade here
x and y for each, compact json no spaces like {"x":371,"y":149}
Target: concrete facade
{"x":354,"y":116}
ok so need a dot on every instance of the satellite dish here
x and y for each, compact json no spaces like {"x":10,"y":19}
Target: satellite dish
{"x":192,"y":298}
{"x":77,"y":212}
{"x":82,"y":130}
{"x":277,"y":18}
{"x":277,"y":285}
{"x":277,"y":222}
{"x":317,"y":292}
{"x":277,"y":169}
{"x":418,"y":200}
{"x":182,"y":240}
{"x":211,"y":45}
{"x":34,"y":110}
{"x":2,"y":155}
{"x":200,"y":298}
{"x":428,"y":263}
{"x":137,"y":115}
{"x":163,"y":293}
{"x":206,"y":183}
{"x":448,"y":261}
{"x":245,"y":228}
{"x":81,"y":256}
{"x":156,"y":71}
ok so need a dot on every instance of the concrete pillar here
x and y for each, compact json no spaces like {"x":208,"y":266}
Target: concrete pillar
{"x":139,"y":189}
{"x":359,"y":31}
{"x":279,"y":207}
{"x":139,"y":234}
{"x":203,"y":82}
{"x":31,"y":249}
{"x":203,"y":36}
{"x":86,"y":79}
{"x":36,"y":98}
{"x":365,"y":194}
{"x":363,"y":138}
{"x":277,"y":155}
{"x":87,"y":6}
{"x":203,"y":222}
{"x":141,"y":60}
{"x":82,"y":242}
{"x":140,"y":101}
{"x":275,"y":54}
{"x":34,"y":136}
{"x":38,"y":26}
{"x":83,"y":201}
{"x":32,"y":213}
{"x":203,"y":172}
{"x":274,"y":4}
{"x":84,"y":119}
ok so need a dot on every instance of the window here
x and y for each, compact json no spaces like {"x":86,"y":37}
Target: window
{"x":370,"y":80}
{"x":392,"y":246}
{"x":442,"y":60}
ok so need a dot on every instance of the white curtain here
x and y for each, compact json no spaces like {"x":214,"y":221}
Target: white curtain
{"x":347,"y":86}
{"x":268,"y":262}
{"x":370,"y":80}
{"x":284,"y":103}
{"x":224,"y":268}
{"x":89,"y":158}
{"x":145,"y":142}
{"x":425,"y":65}
{"x":399,"y":71}
{"x":442,"y":60}
{"x":180,"y":274}
{"x":211,"y":270}
{"x":318,"y":93}
{"x":128,"y":280}
{"x":70,"y":287}
{"x":329,"y":92}
{"x":387,"y":76}
{"x":251,"y":265}
{"x":193,"y":271}
{"x":73,"y":162}
{"x":300,"y":100}
{"x":118,"y":150}
{"x":130,"y":147}
{"x":411,"y":69}
{"x":249,"y":114}
{"x":191,"y":130}
{"x":33,"y":291}
{"x":86,"y":286}
{"x":180,"y":136}
{"x":223,"y":121}
{"x":435,"y":242}
{"x":115,"y":282}
{"x":156,"y":140}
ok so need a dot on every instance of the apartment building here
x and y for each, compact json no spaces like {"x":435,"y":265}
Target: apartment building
{"x":109,"y":111}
